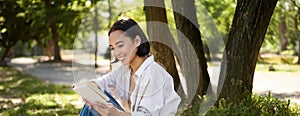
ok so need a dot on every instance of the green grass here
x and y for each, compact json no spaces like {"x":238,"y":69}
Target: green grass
{"x":264,"y":105}
{"x":282,"y":59}
{"x":278,"y":67}
{"x":22,"y":94}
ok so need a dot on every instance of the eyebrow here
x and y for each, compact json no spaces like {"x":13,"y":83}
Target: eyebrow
{"x":117,"y":43}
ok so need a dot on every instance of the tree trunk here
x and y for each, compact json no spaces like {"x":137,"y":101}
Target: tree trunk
{"x":282,"y":33}
{"x":110,"y":20}
{"x":245,"y":38}
{"x":296,"y":24}
{"x":96,"y":34}
{"x":298,"y":51}
{"x":7,"y":46}
{"x":158,"y":31}
{"x":186,"y":23}
{"x":5,"y":53}
{"x":48,"y":50}
{"x":57,"y":56}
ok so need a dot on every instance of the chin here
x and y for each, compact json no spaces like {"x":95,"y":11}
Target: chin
{"x":124,"y":62}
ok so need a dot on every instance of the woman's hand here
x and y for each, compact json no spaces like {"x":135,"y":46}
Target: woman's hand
{"x":87,"y":103}
{"x":108,"y":109}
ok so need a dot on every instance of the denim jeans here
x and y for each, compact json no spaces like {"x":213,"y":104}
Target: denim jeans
{"x":86,"y":111}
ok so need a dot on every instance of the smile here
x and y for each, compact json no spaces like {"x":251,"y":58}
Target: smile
{"x":121,"y":58}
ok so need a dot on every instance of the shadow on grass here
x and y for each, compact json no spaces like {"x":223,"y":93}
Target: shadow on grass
{"x":287,"y":95}
{"x":21,"y":94}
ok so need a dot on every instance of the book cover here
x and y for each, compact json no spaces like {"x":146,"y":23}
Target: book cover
{"x":91,"y":92}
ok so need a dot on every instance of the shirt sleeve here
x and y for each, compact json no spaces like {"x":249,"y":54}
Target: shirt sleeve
{"x":160,"y":99}
{"x":172,"y":100}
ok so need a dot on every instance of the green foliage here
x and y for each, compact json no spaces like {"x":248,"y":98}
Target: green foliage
{"x":23,"y":95}
{"x":28,"y":20}
{"x":254,"y":106}
{"x":14,"y":25}
{"x":215,"y":19}
{"x":221,"y":11}
{"x":272,"y":38}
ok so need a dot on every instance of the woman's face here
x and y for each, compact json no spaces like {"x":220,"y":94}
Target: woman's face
{"x":123,"y":47}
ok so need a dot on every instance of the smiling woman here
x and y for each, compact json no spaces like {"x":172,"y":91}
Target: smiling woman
{"x":141,"y":86}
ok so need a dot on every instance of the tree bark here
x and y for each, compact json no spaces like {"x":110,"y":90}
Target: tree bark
{"x":109,"y":24}
{"x":157,"y":29}
{"x":57,"y":56}
{"x":7,"y":45}
{"x":296,"y":23}
{"x":282,"y":33}
{"x":186,"y":23}
{"x":48,"y":50}
{"x":5,"y":54}
{"x":298,"y":51}
{"x":296,"y":19}
{"x":96,"y":34}
{"x":245,"y":38}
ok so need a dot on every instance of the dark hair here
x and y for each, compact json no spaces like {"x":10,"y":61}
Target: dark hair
{"x":132,"y":29}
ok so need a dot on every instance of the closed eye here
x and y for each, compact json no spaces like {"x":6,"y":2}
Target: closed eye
{"x":120,"y":45}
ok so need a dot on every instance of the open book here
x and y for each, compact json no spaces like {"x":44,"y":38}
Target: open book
{"x":91,"y":92}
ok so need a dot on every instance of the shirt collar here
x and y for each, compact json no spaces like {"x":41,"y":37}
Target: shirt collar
{"x":145,"y":64}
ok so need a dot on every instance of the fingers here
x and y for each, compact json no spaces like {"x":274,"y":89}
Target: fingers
{"x":100,"y":105}
{"x":110,"y":105}
{"x":100,"y":108}
{"x":87,"y":103}
{"x":105,"y":109}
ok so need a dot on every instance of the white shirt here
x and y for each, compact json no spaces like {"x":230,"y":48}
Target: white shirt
{"x":153,"y":94}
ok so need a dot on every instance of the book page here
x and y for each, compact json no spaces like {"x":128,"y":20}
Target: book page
{"x":88,"y":93}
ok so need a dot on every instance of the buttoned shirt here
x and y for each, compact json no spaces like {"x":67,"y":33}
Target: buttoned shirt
{"x":153,"y":94}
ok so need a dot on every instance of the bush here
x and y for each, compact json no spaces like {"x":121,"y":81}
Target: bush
{"x":254,"y":106}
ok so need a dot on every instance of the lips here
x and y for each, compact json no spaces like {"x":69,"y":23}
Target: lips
{"x":121,"y":58}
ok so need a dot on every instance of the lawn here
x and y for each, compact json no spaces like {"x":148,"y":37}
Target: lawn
{"x":21,"y":94}
{"x":262,"y":67}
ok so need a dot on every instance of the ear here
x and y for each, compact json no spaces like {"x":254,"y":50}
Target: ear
{"x":137,"y":41}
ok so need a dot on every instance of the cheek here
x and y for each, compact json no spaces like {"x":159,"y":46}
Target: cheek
{"x":128,"y":49}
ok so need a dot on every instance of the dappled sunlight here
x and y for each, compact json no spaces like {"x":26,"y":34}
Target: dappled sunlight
{"x":6,"y":79}
{"x":23,"y":60}
{"x":16,"y":100}
{"x":23,"y":95}
{"x":283,"y":82}
{"x":9,"y":102}
{"x":14,"y":85}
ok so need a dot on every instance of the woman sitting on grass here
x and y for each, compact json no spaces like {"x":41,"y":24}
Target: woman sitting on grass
{"x":141,"y":86}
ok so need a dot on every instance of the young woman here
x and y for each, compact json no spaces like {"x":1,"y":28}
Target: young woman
{"x":141,"y":86}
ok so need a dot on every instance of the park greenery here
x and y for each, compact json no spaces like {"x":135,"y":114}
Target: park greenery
{"x":35,"y":28}
{"x":22,"y":94}
{"x":45,"y":27}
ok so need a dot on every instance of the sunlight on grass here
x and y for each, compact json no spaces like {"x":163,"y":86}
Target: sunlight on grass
{"x":35,"y":97}
{"x":278,"y":67}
